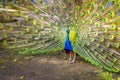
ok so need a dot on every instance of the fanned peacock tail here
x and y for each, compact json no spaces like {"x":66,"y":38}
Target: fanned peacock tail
{"x":40,"y":28}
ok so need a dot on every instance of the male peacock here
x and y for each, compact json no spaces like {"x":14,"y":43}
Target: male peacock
{"x":69,"y":44}
{"x":40,"y":28}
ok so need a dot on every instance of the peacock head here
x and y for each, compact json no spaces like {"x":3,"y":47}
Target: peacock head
{"x":67,"y":30}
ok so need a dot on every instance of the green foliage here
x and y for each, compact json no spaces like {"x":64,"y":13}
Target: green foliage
{"x":106,"y":75}
{"x":118,"y":78}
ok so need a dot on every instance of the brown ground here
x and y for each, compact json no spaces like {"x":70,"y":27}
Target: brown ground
{"x":47,"y":67}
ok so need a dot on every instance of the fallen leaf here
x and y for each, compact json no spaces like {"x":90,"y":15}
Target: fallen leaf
{"x":22,"y":77}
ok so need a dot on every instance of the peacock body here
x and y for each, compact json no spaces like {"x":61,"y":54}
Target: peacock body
{"x":40,"y":28}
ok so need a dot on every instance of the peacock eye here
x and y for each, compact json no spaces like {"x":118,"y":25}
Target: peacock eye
{"x":57,"y":7}
{"x":96,"y":33}
{"x":70,"y":12}
{"x":92,"y":39}
{"x":41,"y":2}
{"x":89,"y":29}
{"x":105,"y":30}
{"x":111,"y":37}
{"x":116,"y":45}
{"x":82,"y":21}
{"x":102,"y":7}
{"x":90,"y":21}
{"x":67,"y":18}
{"x":71,"y":24}
{"x":76,"y":24}
{"x":107,"y":44}
{"x":42,"y":18}
{"x":81,"y":14}
{"x":81,"y":28}
{"x":75,"y":18}
{"x":105,"y":19}
{"x":93,"y":4}
{"x":96,"y":14}
{"x":101,"y":39}
{"x":113,"y":26}
{"x":34,"y":22}
{"x":64,"y":8}
{"x":86,"y":35}
{"x":47,"y":7}
{"x":77,"y":7}
{"x":84,"y":5}
{"x":36,"y":11}
{"x":88,"y":12}
{"x":57,"y":23}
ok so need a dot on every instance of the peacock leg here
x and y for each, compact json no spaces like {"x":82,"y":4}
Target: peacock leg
{"x":70,"y":56}
{"x":73,"y":58}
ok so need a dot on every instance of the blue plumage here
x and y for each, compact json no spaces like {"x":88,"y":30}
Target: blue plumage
{"x":68,"y":45}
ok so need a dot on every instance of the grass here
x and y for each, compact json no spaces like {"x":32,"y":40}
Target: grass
{"x":107,"y":75}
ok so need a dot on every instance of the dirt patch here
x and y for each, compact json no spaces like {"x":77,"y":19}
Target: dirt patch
{"x":53,"y":66}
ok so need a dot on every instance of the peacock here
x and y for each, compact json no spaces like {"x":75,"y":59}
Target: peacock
{"x":39,"y":28}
